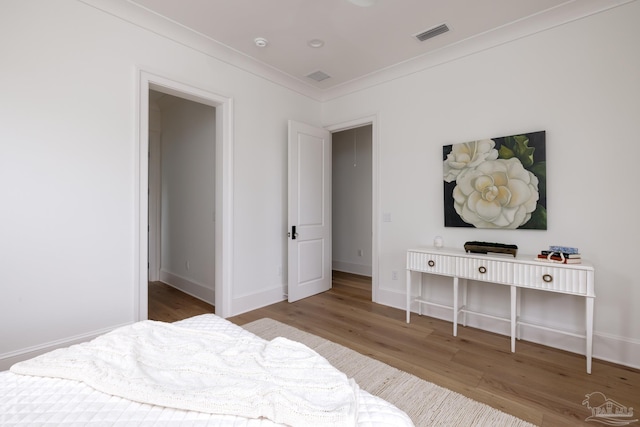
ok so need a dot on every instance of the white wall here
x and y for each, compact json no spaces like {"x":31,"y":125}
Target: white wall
{"x":188,"y":196}
{"x":68,"y":169}
{"x":579,"y":82}
{"x":352,"y":186}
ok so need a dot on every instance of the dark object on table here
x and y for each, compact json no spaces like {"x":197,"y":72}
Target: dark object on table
{"x":485,"y":247}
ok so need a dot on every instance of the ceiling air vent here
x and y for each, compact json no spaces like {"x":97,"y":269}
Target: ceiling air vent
{"x":319,"y":76}
{"x":432,"y":32}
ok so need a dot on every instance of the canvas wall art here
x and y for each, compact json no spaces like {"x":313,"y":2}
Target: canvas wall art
{"x":497,"y":183}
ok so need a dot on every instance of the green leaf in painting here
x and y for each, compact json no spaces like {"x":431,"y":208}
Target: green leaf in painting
{"x":517,"y":146}
{"x":523,"y":151}
{"x":538,"y":219}
{"x":505,"y":152}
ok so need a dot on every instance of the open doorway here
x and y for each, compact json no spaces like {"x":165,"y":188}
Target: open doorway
{"x":182,"y":142}
{"x":222,"y":256}
{"x":367,"y":133}
{"x":352,"y":160}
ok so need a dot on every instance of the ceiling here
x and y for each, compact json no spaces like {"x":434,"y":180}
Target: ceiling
{"x":360,"y":43}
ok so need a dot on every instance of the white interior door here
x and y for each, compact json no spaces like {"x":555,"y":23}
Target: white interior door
{"x":309,"y":260}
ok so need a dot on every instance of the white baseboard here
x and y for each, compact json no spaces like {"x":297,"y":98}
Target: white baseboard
{"x":615,"y":349}
{"x":611,"y":348}
{"x":8,"y":359}
{"x":249,"y":302}
{"x":196,"y":290}
{"x":349,"y":267}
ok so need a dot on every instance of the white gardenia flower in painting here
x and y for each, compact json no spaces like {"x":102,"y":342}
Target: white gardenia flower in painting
{"x":468,"y":155}
{"x":496,"y":194}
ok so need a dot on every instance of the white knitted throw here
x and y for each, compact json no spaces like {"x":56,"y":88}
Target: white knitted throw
{"x":167,"y":365}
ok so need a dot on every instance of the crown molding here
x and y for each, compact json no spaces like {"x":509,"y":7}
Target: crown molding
{"x":563,"y":14}
{"x":158,"y":24}
{"x":567,"y":12}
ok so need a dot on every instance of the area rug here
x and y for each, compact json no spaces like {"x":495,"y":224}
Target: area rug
{"x":426,"y":403}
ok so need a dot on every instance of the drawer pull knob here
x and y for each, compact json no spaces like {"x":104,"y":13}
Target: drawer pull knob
{"x":431,"y":263}
{"x":482,"y":270}
{"x":547,"y":278}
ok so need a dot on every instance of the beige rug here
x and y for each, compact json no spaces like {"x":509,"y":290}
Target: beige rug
{"x":426,"y":403}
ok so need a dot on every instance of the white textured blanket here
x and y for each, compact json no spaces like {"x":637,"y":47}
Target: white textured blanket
{"x":167,"y":365}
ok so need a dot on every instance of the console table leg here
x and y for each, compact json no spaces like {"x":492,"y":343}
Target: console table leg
{"x":589,"y":333}
{"x":518,"y":306}
{"x":464,"y":302}
{"x":408,"y":296}
{"x":420,"y":291}
{"x":514,"y":297}
{"x":455,"y":306}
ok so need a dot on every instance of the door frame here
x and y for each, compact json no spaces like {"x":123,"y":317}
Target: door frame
{"x":155,"y":188}
{"x":372,"y":120}
{"x":223,"y":188}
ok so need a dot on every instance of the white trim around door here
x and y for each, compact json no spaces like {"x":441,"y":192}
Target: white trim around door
{"x":223,"y":191}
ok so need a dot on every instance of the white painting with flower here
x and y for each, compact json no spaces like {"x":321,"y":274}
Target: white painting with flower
{"x":496,"y":183}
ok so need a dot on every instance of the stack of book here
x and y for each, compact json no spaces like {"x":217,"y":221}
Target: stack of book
{"x":561,"y":255}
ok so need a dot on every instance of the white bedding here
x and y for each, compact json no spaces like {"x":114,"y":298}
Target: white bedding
{"x":29,"y":400}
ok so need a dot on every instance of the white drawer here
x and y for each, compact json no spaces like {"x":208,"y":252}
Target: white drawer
{"x":486,"y":270}
{"x":557,"y":279}
{"x":431,"y":263}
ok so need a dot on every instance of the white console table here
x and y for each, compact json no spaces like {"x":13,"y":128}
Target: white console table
{"x":518,"y":272}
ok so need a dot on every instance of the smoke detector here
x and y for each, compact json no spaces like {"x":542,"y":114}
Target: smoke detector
{"x":261,"y":41}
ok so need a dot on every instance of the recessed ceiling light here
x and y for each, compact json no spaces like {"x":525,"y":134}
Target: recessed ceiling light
{"x":363,"y":3}
{"x":261,"y":42}
{"x":315,"y":43}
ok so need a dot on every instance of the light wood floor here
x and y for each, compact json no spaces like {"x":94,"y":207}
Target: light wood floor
{"x":539,"y":384}
{"x":169,"y":304}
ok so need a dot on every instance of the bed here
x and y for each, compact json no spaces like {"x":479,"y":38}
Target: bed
{"x":201,"y":371}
